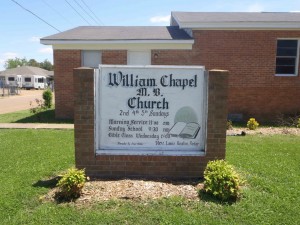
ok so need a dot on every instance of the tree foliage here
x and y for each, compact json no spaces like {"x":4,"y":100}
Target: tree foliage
{"x":33,"y":62}
{"x":13,"y":63}
{"x":46,"y":64}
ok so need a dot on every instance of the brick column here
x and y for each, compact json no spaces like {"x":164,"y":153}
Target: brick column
{"x":181,"y":167}
{"x":84,"y":117}
{"x":217,"y":114}
{"x":65,"y":61}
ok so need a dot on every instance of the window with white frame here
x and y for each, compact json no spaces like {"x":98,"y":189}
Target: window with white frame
{"x":287,"y":57}
{"x":139,"y":57}
{"x":91,"y":58}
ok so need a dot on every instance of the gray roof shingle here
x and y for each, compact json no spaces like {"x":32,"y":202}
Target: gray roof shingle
{"x":103,"y":33}
{"x":26,"y":70}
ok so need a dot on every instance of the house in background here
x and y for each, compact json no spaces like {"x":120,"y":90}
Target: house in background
{"x":260,"y":50}
{"x":26,"y":77}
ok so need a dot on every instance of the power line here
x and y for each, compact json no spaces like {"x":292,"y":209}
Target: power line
{"x":57,"y":12}
{"x":92,"y":12}
{"x":35,"y":15}
{"x":85,"y":11}
{"x":77,"y":12}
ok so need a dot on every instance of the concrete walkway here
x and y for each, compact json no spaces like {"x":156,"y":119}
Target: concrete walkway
{"x":36,"y":126}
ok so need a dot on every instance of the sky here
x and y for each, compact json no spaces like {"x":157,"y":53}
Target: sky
{"x":20,"y":30}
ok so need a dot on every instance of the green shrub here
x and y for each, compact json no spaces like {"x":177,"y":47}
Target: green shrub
{"x":48,"y":96}
{"x":298,"y":123}
{"x":38,"y":108}
{"x":71,"y":184}
{"x":287,"y":120}
{"x":252,"y":124}
{"x":229,"y":125}
{"x":221,"y":180}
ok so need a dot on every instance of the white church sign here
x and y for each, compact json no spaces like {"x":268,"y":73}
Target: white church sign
{"x":150,"y":110}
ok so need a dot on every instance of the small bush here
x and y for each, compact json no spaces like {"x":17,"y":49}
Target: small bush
{"x":229,"y":125}
{"x":221,"y":180}
{"x":252,"y":124}
{"x":71,"y":184}
{"x":287,"y":120}
{"x":298,"y":123}
{"x":38,"y":108}
{"x":47,"y":96}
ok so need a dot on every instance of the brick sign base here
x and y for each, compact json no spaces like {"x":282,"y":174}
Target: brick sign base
{"x":117,"y":166}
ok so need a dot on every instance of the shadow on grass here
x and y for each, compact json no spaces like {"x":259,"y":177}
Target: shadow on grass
{"x":49,"y":183}
{"x":206,"y":197}
{"x":47,"y":116}
{"x":59,"y":196}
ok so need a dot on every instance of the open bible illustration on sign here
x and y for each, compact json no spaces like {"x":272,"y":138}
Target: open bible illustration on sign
{"x":185,"y":130}
{"x":185,"y":124}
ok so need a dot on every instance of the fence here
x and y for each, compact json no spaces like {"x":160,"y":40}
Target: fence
{"x":7,"y":90}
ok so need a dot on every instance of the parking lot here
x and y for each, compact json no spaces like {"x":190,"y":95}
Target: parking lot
{"x":19,"y":102}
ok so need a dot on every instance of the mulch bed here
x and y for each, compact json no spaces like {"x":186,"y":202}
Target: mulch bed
{"x":134,"y":190}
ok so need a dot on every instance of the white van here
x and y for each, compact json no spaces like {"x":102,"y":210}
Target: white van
{"x":34,"y":81}
{"x":14,"y":80}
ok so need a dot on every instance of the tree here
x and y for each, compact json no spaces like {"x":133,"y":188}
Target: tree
{"x":33,"y":62}
{"x":46,"y":64}
{"x":13,"y":63}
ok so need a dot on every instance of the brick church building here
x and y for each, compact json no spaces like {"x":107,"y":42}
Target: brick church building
{"x":260,"y":51}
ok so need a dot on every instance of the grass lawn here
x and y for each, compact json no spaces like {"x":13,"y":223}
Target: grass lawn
{"x":25,"y":116}
{"x":269,"y":163}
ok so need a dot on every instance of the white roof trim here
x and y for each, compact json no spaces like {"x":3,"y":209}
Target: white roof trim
{"x":241,"y":25}
{"x":125,"y":46}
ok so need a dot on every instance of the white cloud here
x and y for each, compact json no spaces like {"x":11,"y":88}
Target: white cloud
{"x":256,"y":7}
{"x":10,"y":55}
{"x":47,"y":50}
{"x":160,"y":19}
{"x":1,"y":63}
{"x":34,"y":39}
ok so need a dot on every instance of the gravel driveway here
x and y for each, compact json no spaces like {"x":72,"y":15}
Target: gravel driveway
{"x":19,"y":102}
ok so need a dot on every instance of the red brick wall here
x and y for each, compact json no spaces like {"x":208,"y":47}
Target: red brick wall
{"x":249,"y":56}
{"x":65,"y":61}
{"x":147,"y":166}
{"x":114,"y":57}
